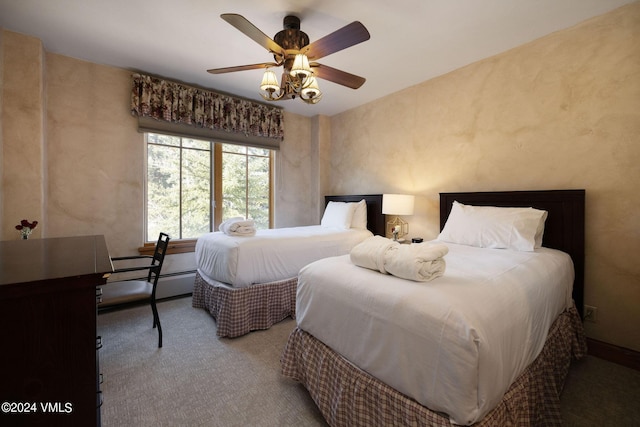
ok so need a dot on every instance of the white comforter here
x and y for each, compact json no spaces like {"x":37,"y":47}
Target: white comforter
{"x":454,"y":344}
{"x":270,"y":255}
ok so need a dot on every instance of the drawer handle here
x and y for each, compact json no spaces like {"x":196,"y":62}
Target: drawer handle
{"x":98,"y":342}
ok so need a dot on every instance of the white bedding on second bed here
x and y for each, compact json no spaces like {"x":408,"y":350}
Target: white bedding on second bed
{"x":454,"y":344}
{"x":271,"y":255}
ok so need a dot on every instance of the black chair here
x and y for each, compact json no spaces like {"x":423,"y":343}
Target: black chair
{"x":136,"y":291}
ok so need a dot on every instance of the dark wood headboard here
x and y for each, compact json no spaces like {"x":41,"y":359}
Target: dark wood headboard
{"x":376,"y":222}
{"x":564,"y":228}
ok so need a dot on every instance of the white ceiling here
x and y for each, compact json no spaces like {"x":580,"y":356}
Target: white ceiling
{"x":411,"y":40}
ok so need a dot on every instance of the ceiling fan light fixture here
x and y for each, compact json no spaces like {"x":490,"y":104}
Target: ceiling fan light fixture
{"x":289,"y":48}
{"x":301,"y":68}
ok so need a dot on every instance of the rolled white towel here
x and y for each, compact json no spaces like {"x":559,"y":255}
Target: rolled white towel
{"x":238,"y":226}
{"x":243,"y":228}
{"x":420,"y":262}
{"x":224,"y":226}
{"x":371,"y":253}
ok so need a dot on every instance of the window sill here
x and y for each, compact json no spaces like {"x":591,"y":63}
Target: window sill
{"x":176,"y":247}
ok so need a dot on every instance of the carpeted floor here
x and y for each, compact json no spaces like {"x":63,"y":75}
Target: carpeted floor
{"x":198,"y":379}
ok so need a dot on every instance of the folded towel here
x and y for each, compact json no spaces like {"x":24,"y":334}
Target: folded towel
{"x":371,"y":252}
{"x":224,"y":226}
{"x":238,"y":226}
{"x":420,"y":262}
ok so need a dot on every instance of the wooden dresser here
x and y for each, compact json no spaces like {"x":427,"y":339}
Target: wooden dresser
{"x":49,"y":362}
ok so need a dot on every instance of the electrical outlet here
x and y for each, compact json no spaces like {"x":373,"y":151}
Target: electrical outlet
{"x":590,"y":313}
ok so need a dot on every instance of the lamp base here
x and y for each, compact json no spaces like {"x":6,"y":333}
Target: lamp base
{"x":397,"y":228}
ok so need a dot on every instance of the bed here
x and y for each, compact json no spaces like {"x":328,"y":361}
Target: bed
{"x":249,"y":283}
{"x":463,"y":349}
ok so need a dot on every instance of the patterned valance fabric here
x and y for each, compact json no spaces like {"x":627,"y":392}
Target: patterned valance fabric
{"x":167,"y":101}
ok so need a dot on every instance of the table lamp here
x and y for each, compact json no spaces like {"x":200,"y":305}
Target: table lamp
{"x":397,"y":204}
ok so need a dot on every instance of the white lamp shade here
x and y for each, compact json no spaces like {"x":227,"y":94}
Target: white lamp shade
{"x":397,"y":204}
{"x":311,"y":90}
{"x":269,"y":81}
{"x":300,"y":66}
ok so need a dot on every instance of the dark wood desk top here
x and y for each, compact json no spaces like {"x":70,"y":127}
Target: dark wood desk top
{"x":35,"y":260}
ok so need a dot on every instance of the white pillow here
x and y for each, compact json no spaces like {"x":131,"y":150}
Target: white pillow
{"x":360,"y":215}
{"x":338,"y":215}
{"x":493,"y":227}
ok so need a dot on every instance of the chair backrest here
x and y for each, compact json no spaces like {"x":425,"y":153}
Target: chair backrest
{"x":158,"y":259}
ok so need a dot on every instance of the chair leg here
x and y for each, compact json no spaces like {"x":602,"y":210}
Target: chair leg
{"x":156,"y":322}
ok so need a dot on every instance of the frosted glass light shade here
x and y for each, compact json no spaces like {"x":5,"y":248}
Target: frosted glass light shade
{"x":269,"y":81}
{"x":311,"y":90}
{"x":300,"y":66}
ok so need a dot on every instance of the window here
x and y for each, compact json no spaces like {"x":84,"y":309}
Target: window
{"x":245,"y":183}
{"x":181,"y":173}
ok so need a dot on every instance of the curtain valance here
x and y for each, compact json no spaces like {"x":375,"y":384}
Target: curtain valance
{"x":223,"y":116}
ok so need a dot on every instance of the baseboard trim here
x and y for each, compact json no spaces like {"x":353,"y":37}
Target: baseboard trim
{"x":175,"y":297}
{"x":613,"y":353}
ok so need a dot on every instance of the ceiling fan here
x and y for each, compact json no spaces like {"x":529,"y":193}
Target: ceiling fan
{"x":291,"y":50}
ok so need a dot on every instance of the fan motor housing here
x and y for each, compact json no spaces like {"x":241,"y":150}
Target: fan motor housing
{"x":291,"y":37}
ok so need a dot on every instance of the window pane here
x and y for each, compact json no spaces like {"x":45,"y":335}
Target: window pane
{"x":258,"y":188}
{"x":254,"y":151}
{"x":163,"y":191}
{"x":156,"y":138}
{"x":234,"y":184}
{"x":232,"y":148}
{"x":196,"y":191}
{"x":196,"y":143}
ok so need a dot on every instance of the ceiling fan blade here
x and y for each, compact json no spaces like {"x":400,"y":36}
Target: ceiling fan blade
{"x":242,"y":68}
{"x":250,"y":30}
{"x":337,"y":76}
{"x":343,"y":38}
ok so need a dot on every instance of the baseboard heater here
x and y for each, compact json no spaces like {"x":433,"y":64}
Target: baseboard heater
{"x":175,"y":284}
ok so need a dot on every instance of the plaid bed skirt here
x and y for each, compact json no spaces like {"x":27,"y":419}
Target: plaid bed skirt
{"x":348,"y":396}
{"x":239,"y":311}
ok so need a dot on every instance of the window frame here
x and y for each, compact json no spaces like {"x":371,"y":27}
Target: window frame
{"x":218,"y":151}
{"x":177,"y":246}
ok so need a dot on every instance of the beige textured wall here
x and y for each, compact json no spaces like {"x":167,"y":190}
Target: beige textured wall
{"x":302,"y":171}
{"x":321,"y":143}
{"x":94,"y":152}
{"x":95,"y":158}
{"x":560,"y":112}
{"x":293,"y":180}
{"x":22,"y":141}
{"x":2,"y":225}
